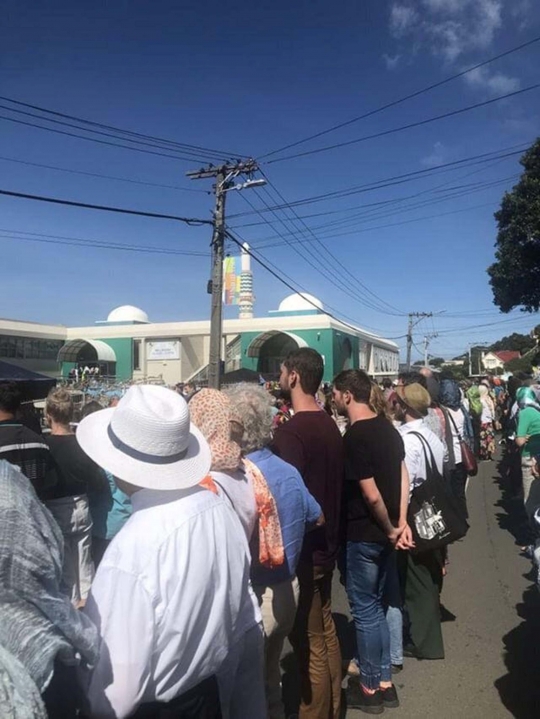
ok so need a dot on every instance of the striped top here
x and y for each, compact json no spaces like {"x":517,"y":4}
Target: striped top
{"x":27,"y":451}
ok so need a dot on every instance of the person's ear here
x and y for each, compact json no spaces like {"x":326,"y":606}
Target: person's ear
{"x":293,"y":377}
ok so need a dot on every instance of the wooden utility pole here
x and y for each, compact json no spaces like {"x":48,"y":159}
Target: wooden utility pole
{"x":412,"y":323}
{"x":223,"y":176}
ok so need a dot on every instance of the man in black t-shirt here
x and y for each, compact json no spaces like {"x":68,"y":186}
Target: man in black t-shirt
{"x":311,"y":442}
{"x":376,"y":497}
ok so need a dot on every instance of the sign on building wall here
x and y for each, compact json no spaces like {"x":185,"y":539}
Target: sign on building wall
{"x":163,"y":350}
{"x":232,"y":269}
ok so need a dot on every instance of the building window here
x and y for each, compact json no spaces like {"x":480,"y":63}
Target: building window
{"x":136,"y":354}
{"x":28,"y":348}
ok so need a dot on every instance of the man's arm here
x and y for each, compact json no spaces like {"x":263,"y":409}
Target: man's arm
{"x":377,"y":507}
{"x":405,"y":541}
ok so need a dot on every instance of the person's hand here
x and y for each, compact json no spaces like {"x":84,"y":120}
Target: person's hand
{"x":406,"y":541}
{"x":396,"y":533}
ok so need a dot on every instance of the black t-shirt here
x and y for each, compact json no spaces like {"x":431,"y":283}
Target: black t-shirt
{"x":73,"y":472}
{"x":373,"y":448}
{"x":312,"y":443}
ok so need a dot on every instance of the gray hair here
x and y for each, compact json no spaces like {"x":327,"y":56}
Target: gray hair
{"x":252,"y":405}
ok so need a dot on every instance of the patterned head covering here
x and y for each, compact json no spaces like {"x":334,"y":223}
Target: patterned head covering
{"x":211,"y":412}
{"x":450,"y":394}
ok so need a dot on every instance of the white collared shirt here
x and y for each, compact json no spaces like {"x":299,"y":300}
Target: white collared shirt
{"x":414,"y":451}
{"x":170,"y":598}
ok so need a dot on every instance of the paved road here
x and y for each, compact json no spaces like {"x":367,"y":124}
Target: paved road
{"x":492,"y":636}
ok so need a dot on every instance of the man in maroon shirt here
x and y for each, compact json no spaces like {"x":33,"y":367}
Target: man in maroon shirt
{"x":312,"y":443}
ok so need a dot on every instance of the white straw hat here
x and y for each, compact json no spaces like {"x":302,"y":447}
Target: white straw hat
{"x":147,"y":440}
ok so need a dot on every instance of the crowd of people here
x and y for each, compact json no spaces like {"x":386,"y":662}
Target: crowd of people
{"x":155,"y":558}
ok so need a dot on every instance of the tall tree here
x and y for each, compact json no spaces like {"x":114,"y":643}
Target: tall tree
{"x":515,"y":275}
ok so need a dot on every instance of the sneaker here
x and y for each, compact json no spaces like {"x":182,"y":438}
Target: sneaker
{"x":358,"y":699}
{"x":390,"y":698}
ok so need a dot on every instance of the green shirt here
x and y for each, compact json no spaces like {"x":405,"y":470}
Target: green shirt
{"x":529,"y":423}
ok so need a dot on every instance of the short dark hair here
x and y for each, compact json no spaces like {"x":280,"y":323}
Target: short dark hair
{"x":413,"y":378}
{"x":387,"y":383}
{"x":10,"y":397}
{"x":355,"y":381}
{"x":90,"y":408}
{"x":310,"y":367}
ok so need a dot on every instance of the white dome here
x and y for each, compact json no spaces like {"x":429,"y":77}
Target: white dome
{"x":127,"y":313}
{"x":300,"y":303}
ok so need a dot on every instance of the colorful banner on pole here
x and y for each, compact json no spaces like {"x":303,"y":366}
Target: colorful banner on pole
{"x":232,"y":269}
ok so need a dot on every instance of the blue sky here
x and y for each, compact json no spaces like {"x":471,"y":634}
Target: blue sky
{"x":250,"y":78}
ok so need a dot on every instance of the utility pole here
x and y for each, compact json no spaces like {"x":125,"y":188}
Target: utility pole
{"x":427,"y":340}
{"x":223,"y":175}
{"x":412,"y":323}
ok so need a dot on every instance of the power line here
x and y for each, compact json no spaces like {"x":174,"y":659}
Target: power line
{"x":106,"y":208}
{"x":434,"y":201}
{"x":402,"y":99}
{"x":328,"y":275}
{"x":336,"y":260}
{"x":97,"y":244}
{"x":97,"y":174}
{"x":95,"y":139}
{"x":184,"y":146}
{"x":409,"y":126}
{"x":402,"y":178}
{"x":296,"y":290}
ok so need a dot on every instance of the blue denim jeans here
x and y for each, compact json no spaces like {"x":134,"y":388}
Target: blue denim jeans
{"x":393,"y":605}
{"x":366,"y":577}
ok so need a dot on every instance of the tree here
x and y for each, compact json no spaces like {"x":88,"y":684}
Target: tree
{"x":515,"y":275}
{"x":515,"y":341}
{"x":520,"y":364}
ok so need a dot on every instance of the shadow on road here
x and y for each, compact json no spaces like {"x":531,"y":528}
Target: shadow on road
{"x":519,"y":689}
{"x":513,"y":518}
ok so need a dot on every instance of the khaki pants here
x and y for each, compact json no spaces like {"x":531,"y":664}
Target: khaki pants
{"x":531,"y":486}
{"x":278,"y":605}
{"x":316,"y":646}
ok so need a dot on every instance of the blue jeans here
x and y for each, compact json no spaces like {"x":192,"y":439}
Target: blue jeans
{"x":394,"y":609}
{"x":366,"y":576}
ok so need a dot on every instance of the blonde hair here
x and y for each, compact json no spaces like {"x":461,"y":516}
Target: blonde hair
{"x":378,"y":403}
{"x":59,"y":405}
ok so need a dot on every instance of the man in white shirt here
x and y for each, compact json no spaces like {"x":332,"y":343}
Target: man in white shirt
{"x":170,"y":598}
{"x":422,"y":571}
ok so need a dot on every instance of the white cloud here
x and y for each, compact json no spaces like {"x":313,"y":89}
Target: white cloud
{"x":497,"y":82}
{"x":449,"y":28}
{"x":454,"y":29}
{"x":435,"y":157}
{"x":391,"y":61}
{"x":402,"y":19}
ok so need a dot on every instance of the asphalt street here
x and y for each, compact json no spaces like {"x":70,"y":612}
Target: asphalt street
{"x":492,"y":621}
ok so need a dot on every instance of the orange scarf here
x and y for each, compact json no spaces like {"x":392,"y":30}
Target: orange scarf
{"x":271,"y":551}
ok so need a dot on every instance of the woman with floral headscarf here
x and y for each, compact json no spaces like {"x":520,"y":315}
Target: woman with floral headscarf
{"x":212,"y":413}
{"x":487,"y":426}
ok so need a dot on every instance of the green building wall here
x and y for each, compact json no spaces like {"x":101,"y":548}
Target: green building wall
{"x":123,"y":348}
{"x":328,"y":342}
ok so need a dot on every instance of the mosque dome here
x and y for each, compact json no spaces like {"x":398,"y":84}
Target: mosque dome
{"x":127,"y":313}
{"x":300,"y":302}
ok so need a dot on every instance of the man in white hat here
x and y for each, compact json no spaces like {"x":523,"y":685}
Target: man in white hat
{"x":170,"y":597}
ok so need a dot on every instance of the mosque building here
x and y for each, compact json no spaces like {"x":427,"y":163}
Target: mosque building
{"x":129,"y":346}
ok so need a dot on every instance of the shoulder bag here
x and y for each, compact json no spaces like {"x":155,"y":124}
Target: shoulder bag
{"x":470,"y":465}
{"x":433,"y":515}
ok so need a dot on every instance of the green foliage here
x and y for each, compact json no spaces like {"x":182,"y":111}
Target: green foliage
{"x":515,"y":341}
{"x":515,"y":275}
{"x":520,"y":364}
